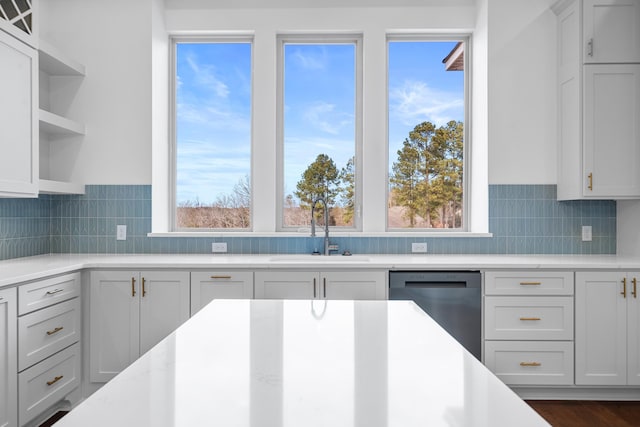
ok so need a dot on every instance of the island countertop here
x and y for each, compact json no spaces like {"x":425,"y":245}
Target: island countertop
{"x":306,"y":363}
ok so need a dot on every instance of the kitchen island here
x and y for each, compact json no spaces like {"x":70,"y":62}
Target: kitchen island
{"x":306,"y":363}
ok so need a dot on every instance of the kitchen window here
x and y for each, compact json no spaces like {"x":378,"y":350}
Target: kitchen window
{"x":427,"y":136}
{"x":212,"y":136}
{"x":319,"y":130}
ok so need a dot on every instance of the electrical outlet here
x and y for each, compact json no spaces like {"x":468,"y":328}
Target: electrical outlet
{"x":121,"y":232}
{"x":420,"y":248}
{"x":587,"y":234}
{"x":219,"y":247}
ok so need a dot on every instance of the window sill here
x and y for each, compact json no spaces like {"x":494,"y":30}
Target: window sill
{"x":409,"y":234}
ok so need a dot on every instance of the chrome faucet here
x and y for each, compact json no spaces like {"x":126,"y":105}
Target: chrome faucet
{"x":327,"y":247}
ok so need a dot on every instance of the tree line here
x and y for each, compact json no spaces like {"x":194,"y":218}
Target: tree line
{"x":425,"y":187}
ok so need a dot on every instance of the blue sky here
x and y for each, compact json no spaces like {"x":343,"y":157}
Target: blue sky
{"x":214,"y":107}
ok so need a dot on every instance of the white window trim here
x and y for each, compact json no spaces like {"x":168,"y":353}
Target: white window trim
{"x":373,"y":191}
{"x":467,"y":156}
{"x":318,"y":38}
{"x":172,"y":207}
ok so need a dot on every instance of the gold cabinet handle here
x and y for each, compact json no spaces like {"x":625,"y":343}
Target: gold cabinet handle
{"x":56,"y":291}
{"x":144,"y":290}
{"x":133,"y":287}
{"x":314,"y":287}
{"x":530,"y":318}
{"x":56,"y":330}
{"x":590,"y":186}
{"x":530,"y":283}
{"x":635,"y":284}
{"x":530,"y":364}
{"x":221,"y":277}
{"x":55,"y":380}
{"x":624,"y":288}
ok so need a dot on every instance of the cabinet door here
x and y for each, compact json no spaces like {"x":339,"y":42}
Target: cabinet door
{"x":114,"y":339}
{"x":207,"y":286}
{"x":353,"y":285}
{"x":601,"y":329}
{"x":612,"y":130}
{"x":8,"y":359}
{"x":611,"y":31}
{"x":18,"y":120}
{"x":286,"y":285}
{"x":633,"y":323}
{"x":164,"y":305}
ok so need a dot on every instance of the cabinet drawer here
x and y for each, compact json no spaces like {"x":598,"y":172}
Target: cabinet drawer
{"x":528,"y":318}
{"x":209,"y":285}
{"x":528,"y":283}
{"x":47,"y":331}
{"x":43,"y":293}
{"x":530,"y":363}
{"x":49,"y":381}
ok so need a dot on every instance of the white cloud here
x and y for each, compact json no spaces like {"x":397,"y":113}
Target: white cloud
{"x":206,"y":78}
{"x":415,"y":102}
{"x":310,"y":60}
{"x":324,"y":117}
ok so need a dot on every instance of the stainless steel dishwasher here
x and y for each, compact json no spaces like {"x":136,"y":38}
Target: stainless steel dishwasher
{"x":451,"y":298}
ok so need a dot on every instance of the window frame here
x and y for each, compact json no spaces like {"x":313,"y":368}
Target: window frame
{"x":174,"y":40}
{"x":465,"y":38}
{"x":319,"y":38}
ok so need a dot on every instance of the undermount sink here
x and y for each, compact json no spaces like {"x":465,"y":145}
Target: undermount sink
{"x":319,"y":258}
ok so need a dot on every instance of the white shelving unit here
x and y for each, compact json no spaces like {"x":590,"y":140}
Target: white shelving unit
{"x":56,"y":129}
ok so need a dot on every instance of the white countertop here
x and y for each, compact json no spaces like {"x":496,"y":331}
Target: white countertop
{"x":31,"y":268}
{"x":306,"y":363}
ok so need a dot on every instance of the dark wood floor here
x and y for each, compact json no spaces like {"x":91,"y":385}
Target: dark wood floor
{"x":573,"y":413}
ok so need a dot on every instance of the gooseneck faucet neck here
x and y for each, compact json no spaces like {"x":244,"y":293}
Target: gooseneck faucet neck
{"x":326,"y":222}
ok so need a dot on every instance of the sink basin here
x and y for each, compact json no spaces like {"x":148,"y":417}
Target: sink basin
{"x":319,"y":258}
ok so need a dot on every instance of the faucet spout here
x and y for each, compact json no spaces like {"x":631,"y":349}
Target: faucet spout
{"x":327,"y":246}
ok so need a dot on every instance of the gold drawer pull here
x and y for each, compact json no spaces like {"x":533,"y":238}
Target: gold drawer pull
{"x":530,"y":283}
{"x":530,"y":318}
{"x":56,"y":291}
{"x":58,"y":329}
{"x":221,"y":277}
{"x":55,"y":380}
{"x":530,"y":364}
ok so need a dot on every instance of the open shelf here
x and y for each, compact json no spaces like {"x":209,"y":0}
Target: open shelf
{"x":55,"y":63}
{"x":48,"y":186}
{"x":57,"y":125}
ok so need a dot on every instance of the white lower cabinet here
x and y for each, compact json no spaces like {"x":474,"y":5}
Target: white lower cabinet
{"x":49,"y":349}
{"x":130,"y":312}
{"x":531,"y":362}
{"x":355,"y":285}
{"x":209,"y":285}
{"x":607,"y":328}
{"x":49,"y":381}
{"x":8,"y":359}
{"x":529,"y":327}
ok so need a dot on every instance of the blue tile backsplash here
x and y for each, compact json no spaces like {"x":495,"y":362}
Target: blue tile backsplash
{"x":524,"y":219}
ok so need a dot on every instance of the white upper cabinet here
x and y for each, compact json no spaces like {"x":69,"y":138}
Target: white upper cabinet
{"x":612,"y":130}
{"x":611,"y":31}
{"x":18,"y":119}
{"x":598,"y":99}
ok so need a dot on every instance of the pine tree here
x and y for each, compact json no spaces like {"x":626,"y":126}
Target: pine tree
{"x":320,"y":179}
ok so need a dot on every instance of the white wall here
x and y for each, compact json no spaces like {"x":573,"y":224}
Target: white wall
{"x":112,"y":39}
{"x":522,"y":92}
